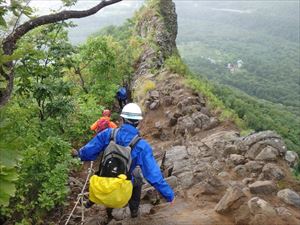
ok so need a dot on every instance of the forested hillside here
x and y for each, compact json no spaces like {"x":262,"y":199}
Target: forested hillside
{"x":263,"y":35}
{"x":252,"y":50}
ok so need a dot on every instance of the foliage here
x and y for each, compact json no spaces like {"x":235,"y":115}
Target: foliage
{"x":42,"y":178}
{"x":175,"y":64}
{"x":40,"y":72}
{"x":262,"y":115}
{"x":296,"y":171}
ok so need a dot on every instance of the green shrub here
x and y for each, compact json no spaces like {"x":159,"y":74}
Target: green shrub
{"x":175,"y":64}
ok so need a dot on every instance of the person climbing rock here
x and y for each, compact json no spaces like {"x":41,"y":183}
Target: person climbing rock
{"x":104,"y":122}
{"x":122,"y":97}
{"x":141,"y":157}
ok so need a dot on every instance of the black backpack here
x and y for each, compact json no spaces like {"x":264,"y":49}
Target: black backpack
{"x":116,"y":159}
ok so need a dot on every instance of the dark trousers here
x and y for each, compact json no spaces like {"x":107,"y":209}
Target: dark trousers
{"x":135,"y":199}
{"x":122,"y":103}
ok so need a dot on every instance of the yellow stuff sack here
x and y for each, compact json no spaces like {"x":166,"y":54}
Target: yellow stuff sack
{"x":112,"y":192}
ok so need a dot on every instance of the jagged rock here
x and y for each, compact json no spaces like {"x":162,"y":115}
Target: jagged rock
{"x":167,"y":101}
{"x":256,"y":137}
{"x":289,"y":197}
{"x":271,"y":171}
{"x":205,"y":111}
{"x":193,"y":151}
{"x":120,"y":214}
{"x":248,"y":180}
{"x":176,"y":153}
{"x":217,"y":165}
{"x":237,"y":159}
{"x":263,"y":187}
{"x":185,"y":124}
{"x":242,"y":215}
{"x":154,"y":94}
{"x":224,"y":175}
{"x":230,"y":149}
{"x":260,"y":206}
{"x":203,"y":188}
{"x":229,"y":163}
{"x":172,"y":181}
{"x":286,"y":215}
{"x":201,"y":120}
{"x":154,"y":105}
{"x":186,"y":179}
{"x":172,"y":121}
{"x":177,"y":115}
{"x":95,"y":220}
{"x":241,"y":170}
{"x":292,"y":158}
{"x":269,"y":153}
{"x":232,"y":199}
{"x":254,"y":166}
{"x":258,"y":141}
{"x":181,"y":166}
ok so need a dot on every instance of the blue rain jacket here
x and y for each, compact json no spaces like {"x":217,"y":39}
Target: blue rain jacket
{"x":122,"y":94}
{"x":141,"y":155}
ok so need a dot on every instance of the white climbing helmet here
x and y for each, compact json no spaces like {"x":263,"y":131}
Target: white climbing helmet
{"x":132,"y":111}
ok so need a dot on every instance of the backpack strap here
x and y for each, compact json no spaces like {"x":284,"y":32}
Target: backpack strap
{"x":134,"y":141}
{"x":113,"y":134}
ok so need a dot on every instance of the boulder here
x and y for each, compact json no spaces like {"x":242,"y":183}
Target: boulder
{"x":242,"y":215}
{"x":186,"y":179}
{"x":241,"y":170}
{"x":176,"y":153}
{"x":224,"y":175}
{"x":230,"y":149}
{"x":248,"y":180}
{"x":185,"y":124}
{"x":154,"y":94}
{"x":154,"y":105}
{"x":167,"y":101}
{"x":269,"y":153}
{"x":262,"y":187}
{"x":254,"y":166}
{"x":218,"y":166}
{"x":292,"y":158}
{"x":289,"y":197}
{"x":237,"y":159}
{"x":260,"y":206}
{"x":272,"y":171}
{"x":287,"y":216}
{"x":232,"y":199}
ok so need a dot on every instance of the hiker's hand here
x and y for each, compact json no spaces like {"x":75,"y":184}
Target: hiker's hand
{"x":74,"y":153}
{"x":172,"y":202}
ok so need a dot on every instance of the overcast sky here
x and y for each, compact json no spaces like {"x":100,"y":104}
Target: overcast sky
{"x":114,"y":14}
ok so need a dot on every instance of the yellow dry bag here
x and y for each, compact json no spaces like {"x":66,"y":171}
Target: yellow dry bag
{"x":112,"y":192}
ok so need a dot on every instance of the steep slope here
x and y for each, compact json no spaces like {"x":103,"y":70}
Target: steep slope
{"x":219,"y":177}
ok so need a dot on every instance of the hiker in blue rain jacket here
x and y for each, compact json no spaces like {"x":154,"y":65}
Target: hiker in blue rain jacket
{"x":141,"y":155}
{"x":122,"y":97}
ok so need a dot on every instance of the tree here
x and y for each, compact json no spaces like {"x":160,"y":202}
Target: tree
{"x":8,"y":45}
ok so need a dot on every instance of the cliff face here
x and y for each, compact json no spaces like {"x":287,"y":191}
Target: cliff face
{"x":158,"y":23}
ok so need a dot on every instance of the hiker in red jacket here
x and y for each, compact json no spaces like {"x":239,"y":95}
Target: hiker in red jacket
{"x":104,"y":122}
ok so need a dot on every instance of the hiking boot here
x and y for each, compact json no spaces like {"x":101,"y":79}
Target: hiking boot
{"x":88,"y":204}
{"x":134,"y":213}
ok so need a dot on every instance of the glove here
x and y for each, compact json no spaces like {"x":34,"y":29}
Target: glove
{"x":74,"y":153}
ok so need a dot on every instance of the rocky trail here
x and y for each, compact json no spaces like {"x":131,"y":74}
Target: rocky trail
{"x":220,"y":177}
